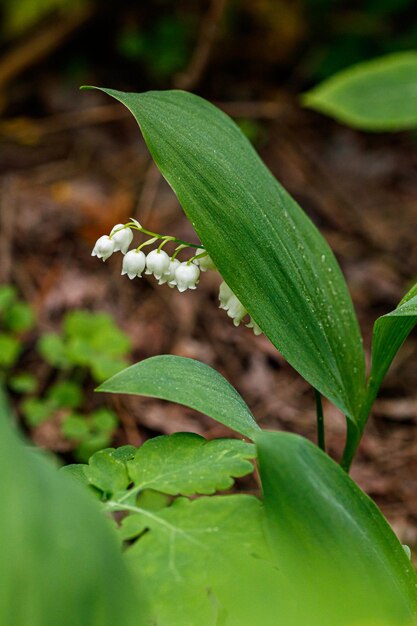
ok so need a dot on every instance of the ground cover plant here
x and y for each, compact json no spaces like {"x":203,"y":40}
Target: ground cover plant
{"x":313,"y":549}
{"x":89,"y":349}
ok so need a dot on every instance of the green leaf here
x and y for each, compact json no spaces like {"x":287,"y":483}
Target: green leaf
{"x":187,"y":382}
{"x":106,"y":472}
{"x":36,"y":410}
{"x":265,"y":247}
{"x":8,"y":295}
{"x":23,"y":383}
{"x":187,"y":464}
{"x":390,"y":332}
{"x":377,"y":95}
{"x":206,"y":562}
{"x":51,"y":347}
{"x":57,"y":548}
{"x":330,"y":539}
{"x":19,"y":317}
{"x":10,"y":348}
{"x":75,"y":427}
{"x":66,"y":394}
{"x":105,"y":421}
{"x":103,"y":367}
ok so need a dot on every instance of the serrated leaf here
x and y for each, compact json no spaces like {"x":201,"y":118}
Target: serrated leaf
{"x":106,"y":472}
{"x":57,"y":547}
{"x":206,"y":562}
{"x":187,"y":382}
{"x":265,"y":247}
{"x":377,"y":95}
{"x":331,"y":540}
{"x":390,"y":332}
{"x":187,"y":464}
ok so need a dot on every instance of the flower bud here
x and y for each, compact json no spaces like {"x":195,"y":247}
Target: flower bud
{"x":103,"y":248}
{"x":169,"y":277}
{"x":122,"y":238}
{"x":133,"y":263}
{"x":186,"y":276}
{"x":205,"y":263}
{"x":157,"y":263}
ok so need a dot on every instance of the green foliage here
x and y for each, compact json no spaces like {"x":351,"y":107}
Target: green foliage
{"x":10,"y":348}
{"x":237,"y":560}
{"x":56,"y":547}
{"x":16,"y":317}
{"x":377,"y":95}
{"x":90,"y":340}
{"x":187,"y":382}
{"x":23,"y":383}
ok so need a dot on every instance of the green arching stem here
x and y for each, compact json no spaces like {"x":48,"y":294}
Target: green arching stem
{"x":186,"y":244}
{"x":164,"y":241}
{"x":178,"y":250}
{"x":320,"y":422}
{"x":197,"y":256}
{"x":146,"y":243}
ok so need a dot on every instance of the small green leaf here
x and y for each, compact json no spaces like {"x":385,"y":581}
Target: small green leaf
{"x":52,"y":348}
{"x":65,"y":394}
{"x":19,"y":317}
{"x":103,"y":367}
{"x":206,"y":562}
{"x":390,"y":332}
{"x":187,"y":464}
{"x":265,"y":247}
{"x":106,"y":472}
{"x":23,"y":383}
{"x":8,"y":295}
{"x":187,"y":382}
{"x":377,"y":95}
{"x":75,"y":427}
{"x":330,"y":539}
{"x":10,"y":348}
{"x":36,"y":410}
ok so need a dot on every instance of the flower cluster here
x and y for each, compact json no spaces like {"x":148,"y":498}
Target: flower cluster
{"x":165,"y":268}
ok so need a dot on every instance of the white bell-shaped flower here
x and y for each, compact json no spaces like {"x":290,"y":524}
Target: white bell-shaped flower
{"x":103,"y":248}
{"x":169,"y":277}
{"x":122,"y":237}
{"x":231,"y":304}
{"x":256,"y":330}
{"x":186,"y":276}
{"x":205,"y":262}
{"x":157,"y":263}
{"x":134,"y":263}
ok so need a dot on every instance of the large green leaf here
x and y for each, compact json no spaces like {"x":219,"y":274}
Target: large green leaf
{"x":265,"y":247}
{"x":206,"y":562}
{"x":187,"y":382}
{"x":331,"y":540}
{"x":60,"y":562}
{"x":375,"y":95}
{"x":390,"y":332}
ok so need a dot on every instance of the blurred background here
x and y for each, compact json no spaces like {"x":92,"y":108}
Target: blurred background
{"x":73,"y":164}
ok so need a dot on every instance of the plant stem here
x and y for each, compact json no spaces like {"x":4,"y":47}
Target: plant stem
{"x":320,"y":421}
